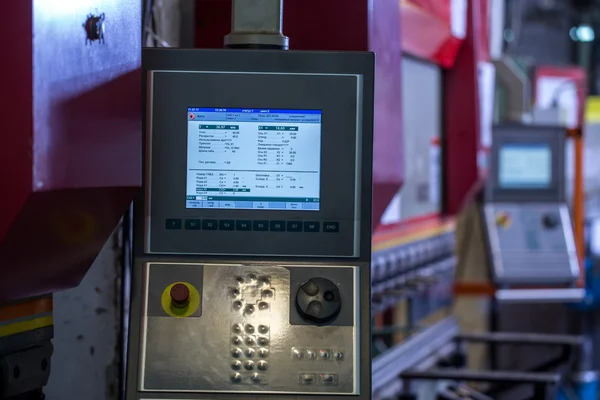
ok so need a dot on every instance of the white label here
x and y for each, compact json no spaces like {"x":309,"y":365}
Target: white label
{"x":458,"y":18}
{"x":435,"y":173}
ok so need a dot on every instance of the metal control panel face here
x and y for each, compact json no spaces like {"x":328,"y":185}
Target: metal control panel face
{"x":250,"y":328}
{"x":531,"y":243}
{"x":233,"y":158}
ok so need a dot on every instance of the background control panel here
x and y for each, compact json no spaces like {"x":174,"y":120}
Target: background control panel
{"x":250,"y":328}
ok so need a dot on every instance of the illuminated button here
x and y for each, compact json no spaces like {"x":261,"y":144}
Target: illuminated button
{"x":312,"y":226}
{"x":192,"y":224}
{"x":338,"y":355}
{"x":180,"y":295}
{"x":236,"y":365}
{"x":307,"y":379}
{"x":294,"y":226}
{"x":263,"y":329}
{"x":226,"y":225}
{"x":263,"y":353}
{"x":209,"y":224}
{"x":277,"y":226}
{"x":331,"y":227}
{"x":249,"y":365}
{"x":243,"y":225}
{"x":173,"y":224}
{"x":236,"y":377}
{"x":262,"y":365}
{"x":260,"y":225}
{"x":328,"y":379}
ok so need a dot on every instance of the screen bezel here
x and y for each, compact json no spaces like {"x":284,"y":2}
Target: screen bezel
{"x":518,"y":134}
{"x":319,"y":165}
{"x":346,"y":125}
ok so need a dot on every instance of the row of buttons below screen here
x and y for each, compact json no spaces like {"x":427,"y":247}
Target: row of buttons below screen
{"x":244,"y":225}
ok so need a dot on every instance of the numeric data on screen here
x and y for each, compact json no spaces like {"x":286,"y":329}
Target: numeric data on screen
{"x":253,"y":159}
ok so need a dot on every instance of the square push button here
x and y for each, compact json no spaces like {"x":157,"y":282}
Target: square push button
{"x":331,"y":227}
{"x":243,"y":226}
{"x":226,"y":225}
{"x":312,"y":226}
{"x":209,"y":224}
{"x":173,"y":224}
{"x":277,"y":226}
{"x":294,"y":226}
{"x":260,"y":225}
{"x":192,"y":224}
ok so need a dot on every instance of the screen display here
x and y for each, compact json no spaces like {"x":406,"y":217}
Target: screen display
{"x":253,"y":159}
{"x":525,"y":166}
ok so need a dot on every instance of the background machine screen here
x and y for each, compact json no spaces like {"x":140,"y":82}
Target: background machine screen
{"x":525,"y":166}
{"x":253,"y":159}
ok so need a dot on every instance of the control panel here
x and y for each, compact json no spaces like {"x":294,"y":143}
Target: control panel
{"x":253,"y":233}
{"x":250,"y":328}
{"x":527,"y":222}
{"x":532,"y":243}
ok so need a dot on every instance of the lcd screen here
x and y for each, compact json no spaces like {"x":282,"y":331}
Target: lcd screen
{"x":253,"y":159}
{"x":525,"y":166}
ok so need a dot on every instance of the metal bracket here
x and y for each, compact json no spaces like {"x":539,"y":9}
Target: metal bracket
{"x":257,"y":24}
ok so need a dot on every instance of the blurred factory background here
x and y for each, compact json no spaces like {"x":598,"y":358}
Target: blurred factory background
{"x":451,"y":70}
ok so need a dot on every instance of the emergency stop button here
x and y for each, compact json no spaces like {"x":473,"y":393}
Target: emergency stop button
{"x":180,"y":295}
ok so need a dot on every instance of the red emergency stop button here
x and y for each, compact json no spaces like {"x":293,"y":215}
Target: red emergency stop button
{"x":180,"y":295}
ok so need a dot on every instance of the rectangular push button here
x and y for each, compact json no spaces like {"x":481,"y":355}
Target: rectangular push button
{"x":312,"y":226}
{"x":277,"y":226}
{"x":260,"y":225}
{"x":294,"y":226}
{"x":192,"y":224}
{"x":307,"y":379}
{"x":209,"y":225}
{"x":329,"y":379}
{"x":226,"y":225}
{"x":173,"y":224}
{"x":331,"y":227}
{"x":243,"y":226}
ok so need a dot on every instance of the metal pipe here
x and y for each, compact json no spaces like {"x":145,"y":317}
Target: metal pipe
{"x":257,"y":24}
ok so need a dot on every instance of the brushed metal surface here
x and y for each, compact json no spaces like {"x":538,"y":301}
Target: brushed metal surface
{"x":245,"y":317}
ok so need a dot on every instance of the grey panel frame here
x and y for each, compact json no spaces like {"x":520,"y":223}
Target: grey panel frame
{"x":247,"y":69}
{"x":323,"y":62}
{"x":526,"y":134}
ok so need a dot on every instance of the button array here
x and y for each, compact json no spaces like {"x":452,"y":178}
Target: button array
{"x":328,"y":379}
{"x":247,"y":225}
{"x":299,"y":354}
{"x":249,"y":353}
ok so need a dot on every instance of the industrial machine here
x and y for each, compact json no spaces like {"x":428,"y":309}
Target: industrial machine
{"x":527,"y":221}
{"x":253,"y":233}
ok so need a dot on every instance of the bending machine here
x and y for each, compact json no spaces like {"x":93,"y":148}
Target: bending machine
{"x":253,"y":234}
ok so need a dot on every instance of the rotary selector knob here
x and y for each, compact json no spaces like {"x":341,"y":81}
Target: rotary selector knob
{"x":180,"y":295}
{"x":550,"y":221}
{"x":318,"y":301}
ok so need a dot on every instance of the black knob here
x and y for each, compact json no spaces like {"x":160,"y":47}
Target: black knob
{"x":318,"y":301}
{"x":550,"y":221}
